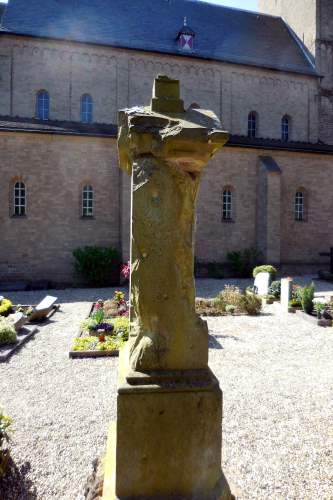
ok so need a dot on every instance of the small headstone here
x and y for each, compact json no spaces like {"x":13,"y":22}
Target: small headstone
{"x":43,"y":308}
{"x":286,"y":293}
{"x":261,"y":283}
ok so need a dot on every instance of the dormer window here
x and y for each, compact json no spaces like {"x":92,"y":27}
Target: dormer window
{"x":185,"y":38}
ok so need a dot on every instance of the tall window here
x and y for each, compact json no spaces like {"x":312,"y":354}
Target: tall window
{"x":252,"y":125}
{"x":285,"y":128}
{"x":227,"y":204}
{"x":300,"y":205}
{"x":87,"y":201}
{"x":86,"y":108}
{"x":42,"y":105}
{"x":20,"y":200}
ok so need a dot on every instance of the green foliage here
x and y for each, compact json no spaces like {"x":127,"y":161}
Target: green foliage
{"x":215,"y":270}
{"x":7,"y":332}
{"x":250,"y":304}
{"x":230,"y":309}
{"x":97,"y":265}
{"x":98,"y":316}
{"x":229,"y":296}
{"x":5,"y":307}
{"x":5,"y":425}
{"x":264,"y":269}
{"x":121,"y":326}
{"x":243,"y":262}
{"x":319,"y":307}
{"x":307,"y":296}
{"x":295,"y":303}
{"x":93,"y":344}
{"x":275,"y":289}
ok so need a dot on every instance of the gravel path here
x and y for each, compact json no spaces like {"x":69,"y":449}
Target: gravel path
{"x":276,"y":372}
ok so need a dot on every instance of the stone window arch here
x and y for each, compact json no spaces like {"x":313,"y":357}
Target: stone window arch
{"x":285,"y":128}
{"x":42,"y":105}
{"x":87,"y":108}
{"x":87,"y":201}
{"x":228,"y":204}
{"x":300,"y":205}
{"x":252,"y":125}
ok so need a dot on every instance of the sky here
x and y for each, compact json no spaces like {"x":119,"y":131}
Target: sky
{"x":239,"y":4}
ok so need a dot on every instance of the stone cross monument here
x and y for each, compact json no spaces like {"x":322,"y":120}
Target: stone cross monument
{"x":167,"y":443}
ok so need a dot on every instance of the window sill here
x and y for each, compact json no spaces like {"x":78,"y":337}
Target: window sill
{"x":228,"y":221}
{"x":87,"y":217}
{"x":18,"y":216}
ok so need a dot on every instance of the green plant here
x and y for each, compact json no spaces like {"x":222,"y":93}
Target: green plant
{"x":295,"y":303}
{"x":307,"y":296}
{"x":264,"y":269}
{"x":243,"y":262}
{"x":229,"y":296}
{"x":93,"y":344}
{"x":275,"y":289}
{"x":5,"y":425}
{"x":121,"y":326}
{"x":97,"y":265}
{"x":7,"y":332}
{"x":319,"y":307}
{"x":251,"y":304}
{"x":230,"y":309}
{"x":215,"y":270}
{"x":5,"y":307}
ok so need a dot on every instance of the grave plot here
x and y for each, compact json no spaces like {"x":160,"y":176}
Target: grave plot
{"x":105,"y":330}
{"x":40,"y":312}
{"x":13,"y":334}
{"x":230,"y":301}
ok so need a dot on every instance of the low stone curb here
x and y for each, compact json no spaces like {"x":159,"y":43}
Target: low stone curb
{"x":23,"y":336}
{"x":93,"y":354}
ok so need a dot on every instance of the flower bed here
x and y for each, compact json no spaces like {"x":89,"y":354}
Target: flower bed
{"x":105,"y":330}
{"x":10,"y":339}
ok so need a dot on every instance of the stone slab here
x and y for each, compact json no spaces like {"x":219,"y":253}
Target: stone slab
{"x":23,"y":336}
{"x":262,"y":282}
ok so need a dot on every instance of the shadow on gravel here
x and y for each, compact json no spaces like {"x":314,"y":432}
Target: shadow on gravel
{"x":15,"y":485}
{"x":213,"y":343}
{"x":228,"y":337}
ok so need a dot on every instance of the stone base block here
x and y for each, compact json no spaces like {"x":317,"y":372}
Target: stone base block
{"x":167,"y":443}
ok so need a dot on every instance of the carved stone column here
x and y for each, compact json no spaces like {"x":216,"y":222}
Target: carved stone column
{"x":169,"y":409}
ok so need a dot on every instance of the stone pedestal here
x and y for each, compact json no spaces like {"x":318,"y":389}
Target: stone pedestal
{"x":286,"y":293}
{"x":167,"y":441}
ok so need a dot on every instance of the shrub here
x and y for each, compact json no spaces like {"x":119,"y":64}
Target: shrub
{"x":275,"y":289}
{"x":5,"y":307}
{"x":5,"y":424}
{"x":295,"y":303}
{"x":264,"y":269}
{"x":243,"y":262}
{"x":230,"y":309}
{"x":7,"y":332}
{"x":231,"y":295}
{"x":307,"y":295}
{"x":251,"y":304}
{"x":98,"y":266}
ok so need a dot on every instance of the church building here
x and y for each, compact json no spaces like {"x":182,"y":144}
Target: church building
{"x":68,"y":66}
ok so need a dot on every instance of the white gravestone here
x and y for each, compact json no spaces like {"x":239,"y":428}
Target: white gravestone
{"x":286,"y":292}
{"x":261,"y":283}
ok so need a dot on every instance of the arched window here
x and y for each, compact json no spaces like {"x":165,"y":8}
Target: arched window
{"x":86,"y":108}
{"x":227,"y":204}
{"x":20,"y":199}
{"x":252,"y":124}
{"x":87,"y":201}
{"x":43,"y":105}
{"x":285,"y":128}
{"x":300,"y":209}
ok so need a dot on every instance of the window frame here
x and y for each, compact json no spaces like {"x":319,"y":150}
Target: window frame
{"x":228,"y":201}
{"x":252,"y":125}
{"x":285,"y":128}
{"x":42,"y":109}
{"x":19,"y":199}
{"x":300,"y":208}
{"x":86,"y":108}
{"x":87,"y":201}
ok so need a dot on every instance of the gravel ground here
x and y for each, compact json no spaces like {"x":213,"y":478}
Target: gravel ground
{"x":275,"y":370}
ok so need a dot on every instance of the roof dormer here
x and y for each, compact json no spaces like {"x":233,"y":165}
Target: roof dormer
{"x":185,"y":38}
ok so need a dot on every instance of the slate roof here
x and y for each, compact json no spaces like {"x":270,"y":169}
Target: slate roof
{"x":222,"y":33}
{"x":31,"y":125}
